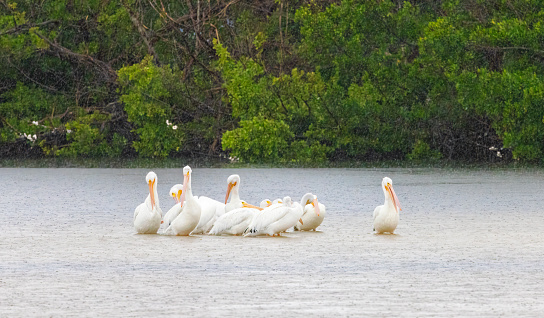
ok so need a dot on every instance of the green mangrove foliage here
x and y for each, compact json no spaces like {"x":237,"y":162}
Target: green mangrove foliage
{"x":275,"y":81}
{"x":146,"y":92}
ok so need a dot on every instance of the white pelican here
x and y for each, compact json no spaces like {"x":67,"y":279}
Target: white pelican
{"x":188,"y":218}
{"x":236,"y":221}
{"x":176,"y":191}
{"x":210,"y":210}
{"x":314,"y":213}
{"x":386,"y":216}
{"x":148,"y":215}
{"x":275,"y":219}
{"x":233,"y":188}
{"x":175,"y":210}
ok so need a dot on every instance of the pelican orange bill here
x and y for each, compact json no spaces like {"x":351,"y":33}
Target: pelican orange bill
{"x":152,"y":193}
{"x":316,"y":206}
{"x":185,"y":182}
{"x":394,"y":197}
{"x":179,"y":195}
{"x":229,"y":188}
{"x":251,"y":206}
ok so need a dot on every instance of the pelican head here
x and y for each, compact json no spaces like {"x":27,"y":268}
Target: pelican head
{"x":233,"y":182}
{"x":387,"y":186}
{"x":151,"y":180}
{"x":176,"y":191}
{"x":265,"y":203}
{"x":287,"y":201}
{"x":187,"y":170}
{"x":309,"y":198}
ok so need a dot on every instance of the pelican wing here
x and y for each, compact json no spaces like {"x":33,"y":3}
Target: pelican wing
{"x":267,"y":217}
{"x":143,"y":206}
{"x":308,"y":208}
{"x":172,"y":214}
{"x":203,"y":199}
{"x":231,"y":219}
{"x":377,"y":211}
{"x":137,"y":211}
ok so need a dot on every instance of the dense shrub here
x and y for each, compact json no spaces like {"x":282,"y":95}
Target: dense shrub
{"x":274,"y":81}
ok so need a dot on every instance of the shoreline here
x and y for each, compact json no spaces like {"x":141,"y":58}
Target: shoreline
{"x":136,"y":163}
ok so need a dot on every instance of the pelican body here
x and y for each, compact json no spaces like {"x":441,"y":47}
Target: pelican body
{"x":386,"y":216}
{"x":314,"y":213}
{"x":148,"y":215}
{"x":210,"y":211}
{"x":236,"y":221}
{"x":275,"y":219}
{"x":189,"y":216}
{"x":175,"y":210}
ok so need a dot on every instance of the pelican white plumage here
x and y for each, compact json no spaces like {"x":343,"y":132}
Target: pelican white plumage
{"x":386,"y":216}
{"x":233,"y":192}
{"x":237,"y":220}
{"x":175,"y":210}
{"x":210,"y":210}
{"x":275,"y":219}
{"x":188,"y":218}
{"x":314,"y":213}
{"x":148,"y":215}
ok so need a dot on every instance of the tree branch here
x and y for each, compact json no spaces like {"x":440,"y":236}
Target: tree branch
{"x":26,"y":27}
{"x":141,"y":30}
{"x":108,"y":72}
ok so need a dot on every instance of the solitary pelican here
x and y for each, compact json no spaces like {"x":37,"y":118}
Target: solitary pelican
{"x":275,"y":219}
{"x":386,"y":216}
{"x":314,"y":213}
{"x":148,"y":215}
{"x":189,"y":216}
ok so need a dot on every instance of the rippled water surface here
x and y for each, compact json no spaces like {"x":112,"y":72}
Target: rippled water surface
{"x":469,"y":243}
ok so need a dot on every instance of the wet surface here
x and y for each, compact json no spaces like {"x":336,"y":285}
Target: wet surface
{"x":469,"y":243}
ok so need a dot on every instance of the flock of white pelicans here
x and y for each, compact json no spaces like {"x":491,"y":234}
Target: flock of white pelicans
{"x":202,"y":215}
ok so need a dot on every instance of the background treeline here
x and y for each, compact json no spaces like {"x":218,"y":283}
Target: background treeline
{"x":273,"y":80}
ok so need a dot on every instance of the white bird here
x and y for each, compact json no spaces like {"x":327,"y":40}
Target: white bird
{"x":275,"y":219}
{"x":386,"y":216}
{"x":276,"y":203}
{"x":314,"y":213}
{"x":188,"y":218}
{"x":210,"y":210}
{"x":236,"y":221}
{"x":175,"y":210}
{"x":176,"y":191}
{"x":148,"y":215}
{"x":233,"y":188}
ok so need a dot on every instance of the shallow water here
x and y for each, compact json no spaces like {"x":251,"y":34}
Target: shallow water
{"x":469,"y":243}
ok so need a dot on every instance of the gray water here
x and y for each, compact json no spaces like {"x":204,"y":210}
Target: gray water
{"x":469,"y":243}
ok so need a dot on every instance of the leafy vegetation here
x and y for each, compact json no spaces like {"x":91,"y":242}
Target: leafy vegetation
{"x":273,"y":81}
